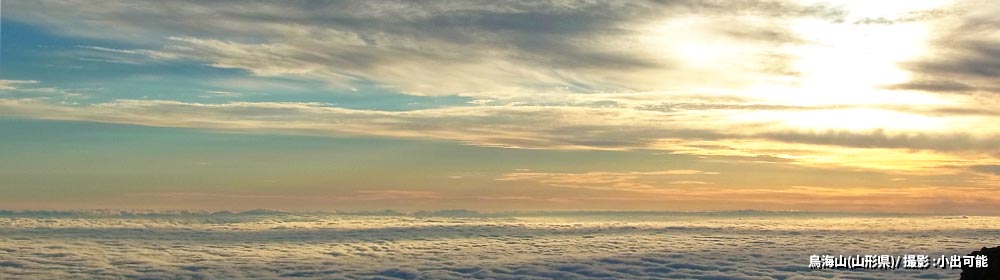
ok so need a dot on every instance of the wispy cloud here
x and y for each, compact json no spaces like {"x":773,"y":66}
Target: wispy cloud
{"x":221,"y":94}
{"x":723,"y":132}
{"x":473,"y":48}
{"x":13,"y":84}
{"x":33,"y":90}
{"x":124,"y":56}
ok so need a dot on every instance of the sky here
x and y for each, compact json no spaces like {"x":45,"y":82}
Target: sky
{"x":843,"y":106}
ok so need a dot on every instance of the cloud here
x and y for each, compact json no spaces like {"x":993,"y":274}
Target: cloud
{"x":964,"y":54}
{"x":580,"y":245}
{"x":504,"y":126}
{"x":880,"y":139}
{"x":13,"y":84}
{"x":221,"y":94}
{"x":934,"y":86}
{"x":121,"y":56}
{"x":990,"y":169}
{"x":445,"y":47}
{"x":524,"y":126}
{"x":706,"y":132}
{"x":31,"y":90}
{"x":747,"y":80}
{"x":617,"y":181}
{"x":362,"y":195}
{"x":689,"y":183}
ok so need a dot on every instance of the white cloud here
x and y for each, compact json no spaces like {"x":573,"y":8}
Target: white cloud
{"x":268,"y":245}
{"x":219,"y":94}
{"x":13,"y":84}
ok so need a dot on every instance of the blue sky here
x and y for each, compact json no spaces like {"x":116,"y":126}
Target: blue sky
{"x":799,"y":105}
{"x":90,"y":66}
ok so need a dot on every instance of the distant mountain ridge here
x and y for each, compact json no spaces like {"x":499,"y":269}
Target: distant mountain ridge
{"x":455,"y":213}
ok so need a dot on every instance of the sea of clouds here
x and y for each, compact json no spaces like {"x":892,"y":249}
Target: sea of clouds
{"x":461,"y":245}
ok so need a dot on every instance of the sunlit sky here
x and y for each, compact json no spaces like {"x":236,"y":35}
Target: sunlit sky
{"x":870,"y":106}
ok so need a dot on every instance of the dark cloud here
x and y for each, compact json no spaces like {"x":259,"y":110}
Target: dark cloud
{"x":768,"y":34}
{"x":965,"y":50}
{"x":991,"y":169}
{"x":934,"y":86}
{"x":880,"y":139}
{"x":912,"y":16}
{"x":968,"y":111}
{"x":971,"y":58}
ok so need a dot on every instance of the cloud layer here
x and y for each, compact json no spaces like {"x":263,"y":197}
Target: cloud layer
{"x":263,"y":244}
